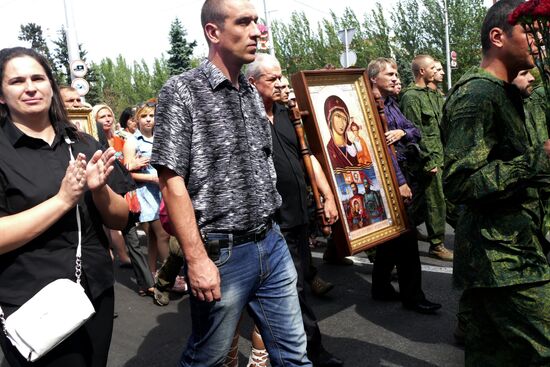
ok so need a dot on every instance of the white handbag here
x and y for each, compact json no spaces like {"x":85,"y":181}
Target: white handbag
{"x":52,"y":314}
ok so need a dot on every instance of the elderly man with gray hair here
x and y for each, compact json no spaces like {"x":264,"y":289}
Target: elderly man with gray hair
{"x":265,"y":74}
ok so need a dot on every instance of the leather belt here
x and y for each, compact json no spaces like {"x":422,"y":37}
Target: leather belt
{"x":237,"y":238}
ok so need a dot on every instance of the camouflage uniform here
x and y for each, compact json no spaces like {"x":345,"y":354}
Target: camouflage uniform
{"x":494,"y":171}
{"x":422,"y":106}
{"x":535,"y":107}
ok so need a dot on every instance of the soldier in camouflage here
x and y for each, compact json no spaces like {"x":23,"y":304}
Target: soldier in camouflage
{"x":534,"y":102}
{"x":495,"y":172}
{"x":435,"y":84}
{"x":422,"y":106}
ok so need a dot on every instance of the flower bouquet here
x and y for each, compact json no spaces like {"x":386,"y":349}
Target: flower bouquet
{"x":534,"y":17}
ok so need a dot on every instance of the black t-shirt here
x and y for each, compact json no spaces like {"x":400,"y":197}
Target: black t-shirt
{"x":291,"y":182}
{"x":31,"y":172}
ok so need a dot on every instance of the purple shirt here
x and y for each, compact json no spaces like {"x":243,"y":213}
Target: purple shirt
{"x":396,"y":120}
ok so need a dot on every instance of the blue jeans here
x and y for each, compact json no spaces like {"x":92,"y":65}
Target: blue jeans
{"x":262,"y":276}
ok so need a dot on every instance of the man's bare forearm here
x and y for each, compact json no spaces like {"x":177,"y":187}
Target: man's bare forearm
{"x":321,"y":180}
{"x":182,"y":214}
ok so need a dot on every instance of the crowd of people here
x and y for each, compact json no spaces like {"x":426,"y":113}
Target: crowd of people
{"x":211,"y":172}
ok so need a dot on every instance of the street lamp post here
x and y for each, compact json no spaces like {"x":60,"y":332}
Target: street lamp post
{"x":447,"y":46}
{"x":268,"y":25}
{"x":72,"y":43}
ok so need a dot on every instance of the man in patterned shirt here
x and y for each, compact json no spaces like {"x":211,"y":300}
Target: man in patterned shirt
{"x":213,"y":150}
{"x":493,"y":170}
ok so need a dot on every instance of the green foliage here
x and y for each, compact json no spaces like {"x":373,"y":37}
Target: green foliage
{"x":181,"y":51}
{"x":377,"y":33}
{"x":409,"y":28}
{"x":32,"y":32}
{"x":112,"y":82}
{"x":61,"y":57}
{"x":413,"y":27}
{"x":300,"y":48}
{"x":160,"y":75}
{"x":120,"y":85}
{"x":409,"y":39}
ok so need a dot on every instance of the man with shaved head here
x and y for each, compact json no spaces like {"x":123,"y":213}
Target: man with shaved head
{"x":214,"y":154}
{"x":420,"y":104}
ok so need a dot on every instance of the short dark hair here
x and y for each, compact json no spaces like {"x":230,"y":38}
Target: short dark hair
{"x":127,"y":114}
{"x":497,"y":17}
{"x":418,"y":63}
{"x":213,"y":11}
{"x":57,"y":113}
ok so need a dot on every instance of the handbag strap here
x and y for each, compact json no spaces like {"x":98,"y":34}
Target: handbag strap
{"x":78,"y":261}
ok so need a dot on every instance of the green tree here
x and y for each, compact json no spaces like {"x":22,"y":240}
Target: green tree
{"x":181,"y":50}
{"x":160,"y":75}
{"x":120,"y":85}
{"x":61,"y":56}
{"x":95,"y":95}
{"x":32,"y":32}
{"x":142,"y":82}
{"x":359,"y":44}
{"x":465,"y":18}
{"x":115,"y":83}
{"x":377,"y":33}
{"x":298,"y":47}
{"x":425,"y":33}
{"x":409,"y":37}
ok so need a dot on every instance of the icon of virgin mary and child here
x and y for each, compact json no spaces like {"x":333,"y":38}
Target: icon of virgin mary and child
{"x":344,"y":153}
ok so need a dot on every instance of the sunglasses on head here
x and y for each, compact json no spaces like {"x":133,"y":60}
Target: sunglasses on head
{"x":148,"y":104}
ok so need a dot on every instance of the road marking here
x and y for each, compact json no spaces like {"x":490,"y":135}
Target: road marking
{"x":364,"y":261}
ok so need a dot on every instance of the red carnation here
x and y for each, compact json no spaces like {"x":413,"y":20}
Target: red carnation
{"x":542,"y":9}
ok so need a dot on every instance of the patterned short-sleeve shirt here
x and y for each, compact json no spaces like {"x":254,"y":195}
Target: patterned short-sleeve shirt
{"x":218,"y":139}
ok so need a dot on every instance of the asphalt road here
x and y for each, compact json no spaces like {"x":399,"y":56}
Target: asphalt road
{"x":360,"y":331}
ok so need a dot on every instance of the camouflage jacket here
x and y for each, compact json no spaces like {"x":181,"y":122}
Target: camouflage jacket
{"x":493,"y":170}
{"x":535,"y":107}
{"x":422,"y":106}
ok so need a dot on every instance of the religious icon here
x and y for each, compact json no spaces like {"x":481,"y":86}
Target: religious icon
{"x":345,"y":134}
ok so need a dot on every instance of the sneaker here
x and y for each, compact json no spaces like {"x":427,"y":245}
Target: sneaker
{"x":441,"y":252}
{"x":180,"y":285}
{"x":161,"y":298}
{"x":319,"y":287}
{"x":257,"y":358}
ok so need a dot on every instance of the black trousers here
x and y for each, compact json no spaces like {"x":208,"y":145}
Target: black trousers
{"x":87,"y":347}
{"x":402,"y":253}
{"x":144,"y":279}
{"x":298,"y":245}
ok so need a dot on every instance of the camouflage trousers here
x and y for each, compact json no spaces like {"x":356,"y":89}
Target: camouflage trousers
{"x":172,"y":265}
{"x":507,"y":326}
{"x":428,"y":204}
{"x":435,"y":208}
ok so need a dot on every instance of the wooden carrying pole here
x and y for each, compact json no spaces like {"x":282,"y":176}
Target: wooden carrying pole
{"x":296,"y":118}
